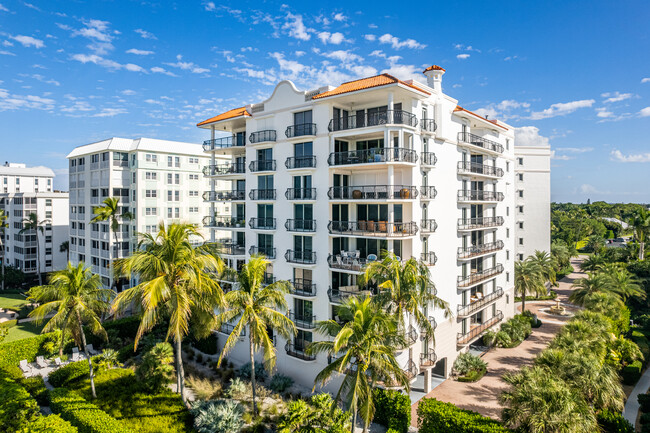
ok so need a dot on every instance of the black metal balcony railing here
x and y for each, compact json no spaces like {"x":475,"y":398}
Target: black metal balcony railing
{"x":269,"y":252}
{"x":429,"y":258}
{"x":303,"y":287}
{"x":479,"y":222}
{"x":262,"y":136}
{"x":429,"y":158}
{"x":300,"y":225}
{"x":466,"y":167}
{"x":428,"y":225}
{"x":262,"y":223}
{"x":428,"y":125}
{"x":298,"y":351}
{"x":373,"y":192}
{"x":410,"y":337}
{"x":268,"y":279}
{"x":262,"y":165}
{"x":231,"y":249}
{"x":300,"y":193}
{"x":227,"y":328}
{"x":346,"y":263}
{"x":300,"y":130}
{"x":300,"y":162}
{"x":478,"y":141}
{"x":262,"y":194}
{"x":478,"y":330}
{"x":302,"y":320}
{"x":479,"y":195}
{"x":477,"y":250}
{"x":338,"y":295}
{"x":428,"y":359}
{"x":479,"y":276}
{"x":224,"y":169}
{"x":428,"y":192}
{"x":301,"y":257}
{"x":376,"y":156}
{"x":224,"y":195}
{"x":478,"y":304}
{"x":223,"y":221}
{"x":224,"y":142}
{"x":379,"y":228}
{"x":363,"y":120}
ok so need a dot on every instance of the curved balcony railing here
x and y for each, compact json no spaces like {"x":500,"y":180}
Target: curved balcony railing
{"x":428,"y":192}
{"x":263,"y":136}
{"x":429,"y":258}
{"x":410,"y":336}
{"x":428,"y":125}
{"x":346,"y":263}
{"x":428,"y":225}
{"x":373,"y":192}
{"x":363,"y":120}
{"x":224,"y":169}
{"x":373,"y":156}
{"x":299,"y":352}
{"x":262,"y":165}
{"x":479,"y":195}
{"x":300,"y":257}
{"x":300,"y":130}
{"x":478,"y":141}
{"x":231,"y":249}
{"x":224,"y":195}
{"x":479,"y":223}
{"x":379,"y":228}
{"x":262,"y":194}
{"x":462,"y":339}
{"x":300,"y":193}
{"x":477,"y":250}
{"x":303,"y":287}
{"x":428,"y":158}
{"x":300,"y":225}
{"x":300,"y":162}
{"x":223,"y":221}
{"x":262,"y":223}
{"x":478,"y":304}
{"x":466,"y":167}
{"x":224,"y":142}
{"x":269,"y":252}
{"x":479,"y":276}
{"x":302,"y":320}
{"x":428,"y":359}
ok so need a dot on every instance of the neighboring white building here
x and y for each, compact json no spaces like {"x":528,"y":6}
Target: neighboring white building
{"x":156,"y":180}
{"x":27,"y":190}
{"x":532,"y":200}
{"x":328,"y":178}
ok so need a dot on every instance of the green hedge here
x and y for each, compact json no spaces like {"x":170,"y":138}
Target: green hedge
{"x":35,"y":386}
{"x":9,"y":324}
{"x":614,"y":422}
{"x":50,"y":424}
{"x":435,"y":417}
{"x":644,"y":402}
{"x":87,"y":417}
{"x":12,"y":353}
{"x":70,"y":373}
{"x":641,"y":340}
{"x":632,"y":373}
{"x":392,"y":409}
{"x":17,"y":407}
{"x":473,"y":376}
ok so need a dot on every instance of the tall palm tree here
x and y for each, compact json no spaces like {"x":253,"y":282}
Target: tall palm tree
{"x":258,"y":308}
{"x":593,"y":263}
{"x":362,"y":347}
{"x":3,"y":227}
{"x":405,"y":289}
{"x":77,"y":297}
{"x":111,"y":211}
{"x":561,"y":255}
{"x":528,"y":280}
{"x":594,"y":282}
{"x":640,"y":222}
{"x":546,"y":265}
{"x":622,"y":282}
{"x":176,"y":280}
{"x":32,"y":224}
{"x":65,"y":248}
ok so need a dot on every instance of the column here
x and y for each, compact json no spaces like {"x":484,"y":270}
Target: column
{"x":427,"y":381}
{"x":213,"y":184}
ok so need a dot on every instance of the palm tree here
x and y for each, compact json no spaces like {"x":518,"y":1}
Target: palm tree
{"x":546,"y":265}
{"x":65,"y":248}
{"x":623,"y":282}
{"x":405,"y":289}
{"x":3,"y":226}
{"x":561,"y":255}
{"x":31,"y":223}
{"x":363,"y":349}
{"x":176,"y":280}
{"x":258,"y":308}
{"x":593,"y":262}
{"x":593,"y":283}
{"x":77,"y":297}
{"x":528,"y":280}
{"x":640,"y":222}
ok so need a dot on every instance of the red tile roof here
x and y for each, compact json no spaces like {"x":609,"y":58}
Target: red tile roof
{"x":459,"y":108}
{"x":235,"y":112}
{"x":434,"y":68}
{"x":366,"y":83}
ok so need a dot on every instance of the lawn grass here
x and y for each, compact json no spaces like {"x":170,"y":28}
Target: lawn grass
{"x":23,"y":330}
{"x":12,"y":300}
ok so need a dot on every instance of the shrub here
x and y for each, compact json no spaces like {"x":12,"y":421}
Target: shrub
{"x":260,"y":373}
{"x":435,"y":416}
{"x":9,"y":324}
{"x":87,"y":417}
{"x":69,"y":373}
{"x":13,"y":352}
{"x":320,"y":414}
{"x":17,"y":407}
{"x":614,"y":422}
{"x":466,"y":362}
{"x":50,"y":424}
{"x":632,"y":372}
{"x":645,"y":419}
{"x":205,"y":389}
{"x":644,"y":402}
{"x":207,"y":345}
{"x":280,"y":383}
{"x":511,"y":333}
{"x":156,"y":371}
{"x":473,"y":376}
{"x":237,"y":389}
{"x":392,"y":409}
{"x":35,"y":386}
{"x":219,"y":416}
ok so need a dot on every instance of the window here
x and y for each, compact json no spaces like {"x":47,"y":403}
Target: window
{"x":170,"y":161}
{"x":507,"y":210}
{"x":151,"y":211}
{"x":194,"y":193}
{"x":521,"y":224}
{"x":508,"y":276}
{"x":507,"y":255}
{"x":177,"y":178}
{"x":48,"y":263}
{"x":508,"y":166}
{"x":507,"y":144}
{"x":151,"y":193}
{"x":521,"y":209}
{"x":94,"y":158}
{"x":194,"y":209}
{"x":520,"y":161}
{"x":520,"y":193}
{"x":177,"y":212}
{"x":151,"y":158}
{"x":520,"y":176}
{"x":151,"y":175}
{"x":169,"y":212}
{"x":521,"y":257}
{"x":193,"y":160}
{"x":521,"y":241}
{"x":194,"y":177}
{"x":177,"y":161}
{"x":508,"y":233}
{"x":134,"y":178}
{"x":169,"y":178}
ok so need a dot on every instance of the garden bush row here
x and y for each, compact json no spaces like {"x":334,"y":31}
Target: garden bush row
{"x":435,"y":416}
{"x":392,"y":409}
{"x":70,"y":373}
{"x":29,"y":348}
{"x":87,"y":417}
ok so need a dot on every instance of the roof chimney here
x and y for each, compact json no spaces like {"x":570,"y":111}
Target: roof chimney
{"x":434,"y":77}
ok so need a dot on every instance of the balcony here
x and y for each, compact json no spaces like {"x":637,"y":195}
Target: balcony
{"x":373,"y":228}
{"x":410,"y":369}
{"x":302,"y":287}
{"x":429,"y":158}
{"x":479,"y":196}
{"x":300,"y":194}
{"x":226,"y":169}
{"x":378,"y":155}
{"x":268,"y":252}
{"x":262,"y":165}
{"x":429,"y":258}
{"x":428,"y":125}
{"x":479,"y":223}
{"x":120,"y":163}
{"x":428,"y":192}
{"x":475,"y":169}
{"x":479,"y":143}
{"x":300,"y":130}
{"x":227,"y":328}
{"x":478,"y":303}
{"x":300,"y":225}
{"x":476,"y":331}
{"x":472,"y":251}
{"x":411,"y":337}
{"x":300,"y":162}
{"x":300,"y":257}
{"x":231,"y":249}
{"x":373,"y":192}
{"x":223,"y":222}
{"x":224,"y":143}
{"x":224,"y":195}
{"x":298,"y":352}
{"x":428,"y":225}
{"x":263,"y":136}
{"x":262,"y":223}
{"x":340,"y":294}
{"x":262,"y":194}
{"x":302,"y":320}
{"x":428,"y":359}
{"x":479,"y":276}
{"x":365,"y":120}
{"x":346,"y":263}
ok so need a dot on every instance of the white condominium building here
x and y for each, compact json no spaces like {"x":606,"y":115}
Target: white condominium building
{"x":27,"y":190}
{"x":329,"y":178}
{"x":532,"y":200}
{"x":156,"y":180}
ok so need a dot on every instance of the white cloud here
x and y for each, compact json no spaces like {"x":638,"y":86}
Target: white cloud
{"x":397,"y":44}
{"x":7,"y":44}
{"x":616,"y":97}
{"x":529,"y":136}
{"x":28,"y":41}
{"x":110,"y":112}
{"x":507,"y":59}
{"x":466,"y":48}
{"x":562,"y":109}
{"x":340,"y":17}
{"x":645,"y":80}
{"x":159,"y":70}
{"x":9,"y":101}
{"x":188,"y":66}
{"x":6,"y":53}
{"x":617,"y":155}
{"x":145,"y":34}
{"x":331,"y":38}
{"x":296,"y":27}
{"x":575,"y":149}
{"x":405,"y":72}
{"x":209,"y":6}
{"x":139,"y":52}
{"x":557,"y":157}
{"x":3,"y":9}
{"x":45,"y":80}
{"x":344,"y":56}
{"x":603,"y":113}
{"x":106,"y":63}
{"x":487,"y":111}
{"x":370,"y":37}
{"x":588,"y":189}
{"x":509,"y":104}
{"x":462,"y":56}
{"x":128,"y":92}
{"x":645,"y":112}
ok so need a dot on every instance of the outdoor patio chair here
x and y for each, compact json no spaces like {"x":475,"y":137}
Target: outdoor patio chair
{"x":25,"y":367}
{"x":90,"y":349}
{"x":58,"y":362}
{"x":40,"y":361}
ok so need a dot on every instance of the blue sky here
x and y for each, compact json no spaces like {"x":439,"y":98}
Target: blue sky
{"x":574,"y":73}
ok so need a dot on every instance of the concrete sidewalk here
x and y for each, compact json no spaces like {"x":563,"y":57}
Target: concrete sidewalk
{"x":631,"y":409}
